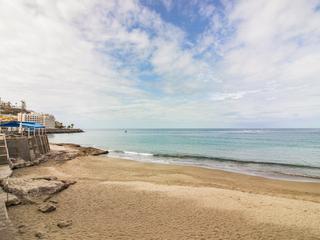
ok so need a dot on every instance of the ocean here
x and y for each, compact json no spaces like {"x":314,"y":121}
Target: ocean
{"x":292,"y":154}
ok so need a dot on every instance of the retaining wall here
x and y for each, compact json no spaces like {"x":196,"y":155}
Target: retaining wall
{"x":27,"y":148}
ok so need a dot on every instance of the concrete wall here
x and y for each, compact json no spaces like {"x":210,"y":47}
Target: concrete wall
{"x":18,"y":147}
{"x":3,"y":159}
{"x":26,"y":148}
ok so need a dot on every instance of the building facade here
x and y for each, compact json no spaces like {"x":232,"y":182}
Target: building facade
{"x":46,"y":120}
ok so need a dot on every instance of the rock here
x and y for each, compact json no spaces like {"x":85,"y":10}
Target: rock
{"x":12,"y":200}
{"x":27,"y":188}
{"x":8,"y":198}
{"x":99,"y":152}
{"x":62,"y":155}
{"x":21,"y":163}
{"x":91,"y":151}
{"x":68,"y":182}
{"x":68,"y":145}
{"x":48,"y":178}
{"x":47,"y":207}
{"x":18,"y":162}
{"x":63,"y":224}
{"x":39,"y":235}
{"x":53,"y":201}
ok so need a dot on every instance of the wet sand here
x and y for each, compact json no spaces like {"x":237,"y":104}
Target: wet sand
{"x":120,"y":199}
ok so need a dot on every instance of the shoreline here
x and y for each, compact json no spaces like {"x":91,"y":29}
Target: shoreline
{"x":232,"y":180}
{"x":248,"y":171}
{"x":266,"y":153}
{"x":124,"y":199}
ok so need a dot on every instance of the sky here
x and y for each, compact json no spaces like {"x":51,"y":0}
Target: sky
{"x":164,"y":63}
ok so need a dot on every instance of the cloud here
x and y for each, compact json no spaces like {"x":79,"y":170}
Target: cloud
{"x":275,"y":46}
{"x":230,"y":96}
{"x":126,"y":63}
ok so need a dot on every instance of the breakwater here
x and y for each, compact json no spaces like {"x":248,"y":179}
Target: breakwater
{"x":63,"y":130}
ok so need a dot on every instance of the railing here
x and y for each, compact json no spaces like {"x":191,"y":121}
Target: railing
{"x":25,"y":132}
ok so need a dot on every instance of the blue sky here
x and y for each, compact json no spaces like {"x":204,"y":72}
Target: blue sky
{"x":164,"y":63}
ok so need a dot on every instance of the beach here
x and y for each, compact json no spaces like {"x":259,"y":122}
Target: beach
{"x":124,"y":199}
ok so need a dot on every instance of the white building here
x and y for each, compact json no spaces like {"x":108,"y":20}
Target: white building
{"x":46,"y":120}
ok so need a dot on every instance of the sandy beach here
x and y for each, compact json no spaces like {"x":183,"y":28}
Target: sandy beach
{"x":121,"y":199}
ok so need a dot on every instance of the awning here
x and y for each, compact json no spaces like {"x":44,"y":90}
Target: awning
{"x":24,"y":124}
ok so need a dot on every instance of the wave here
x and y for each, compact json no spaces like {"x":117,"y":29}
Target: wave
{"x":217,"y":159}
{"x":297,"y":175}
{"x":221,"y":159}
{"x":132,"y":153}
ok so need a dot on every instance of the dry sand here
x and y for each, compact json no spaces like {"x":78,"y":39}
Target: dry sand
{"x":119,"y":199}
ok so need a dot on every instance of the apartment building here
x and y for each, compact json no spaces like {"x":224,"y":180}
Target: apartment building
{"x":46,"y":120}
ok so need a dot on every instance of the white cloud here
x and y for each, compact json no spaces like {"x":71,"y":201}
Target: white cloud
{"x":275,"y":47}
{"x":256,"y":61}
{"x":230,"y":96}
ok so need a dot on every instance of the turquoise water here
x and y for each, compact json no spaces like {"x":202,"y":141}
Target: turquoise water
{"x":276,"y":153}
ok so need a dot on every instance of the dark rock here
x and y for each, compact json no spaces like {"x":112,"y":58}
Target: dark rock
{"x":99,"y":152}
{"x":39,"y":235}
{"x":84,"y":151}
{"x":47,"y":207}
{"x":63,"y":224}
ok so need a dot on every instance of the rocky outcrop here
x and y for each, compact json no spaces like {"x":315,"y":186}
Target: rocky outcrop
{"x":61,"y":155}
{"x":31,"y":189}
{"x":83,"y":151}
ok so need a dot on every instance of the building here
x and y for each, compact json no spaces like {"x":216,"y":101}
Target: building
{"x":46,"y":120}
{"x":13,"y":109}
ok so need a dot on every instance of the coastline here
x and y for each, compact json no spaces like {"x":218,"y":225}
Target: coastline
{"x":125,"y":199}
{"x":264,"y":152}
{"x":250,"y":171}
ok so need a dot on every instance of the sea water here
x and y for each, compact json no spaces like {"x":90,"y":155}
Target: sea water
{"x":293,"y":154}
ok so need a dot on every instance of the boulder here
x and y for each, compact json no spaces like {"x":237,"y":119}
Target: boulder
{"x":47,"y":207}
